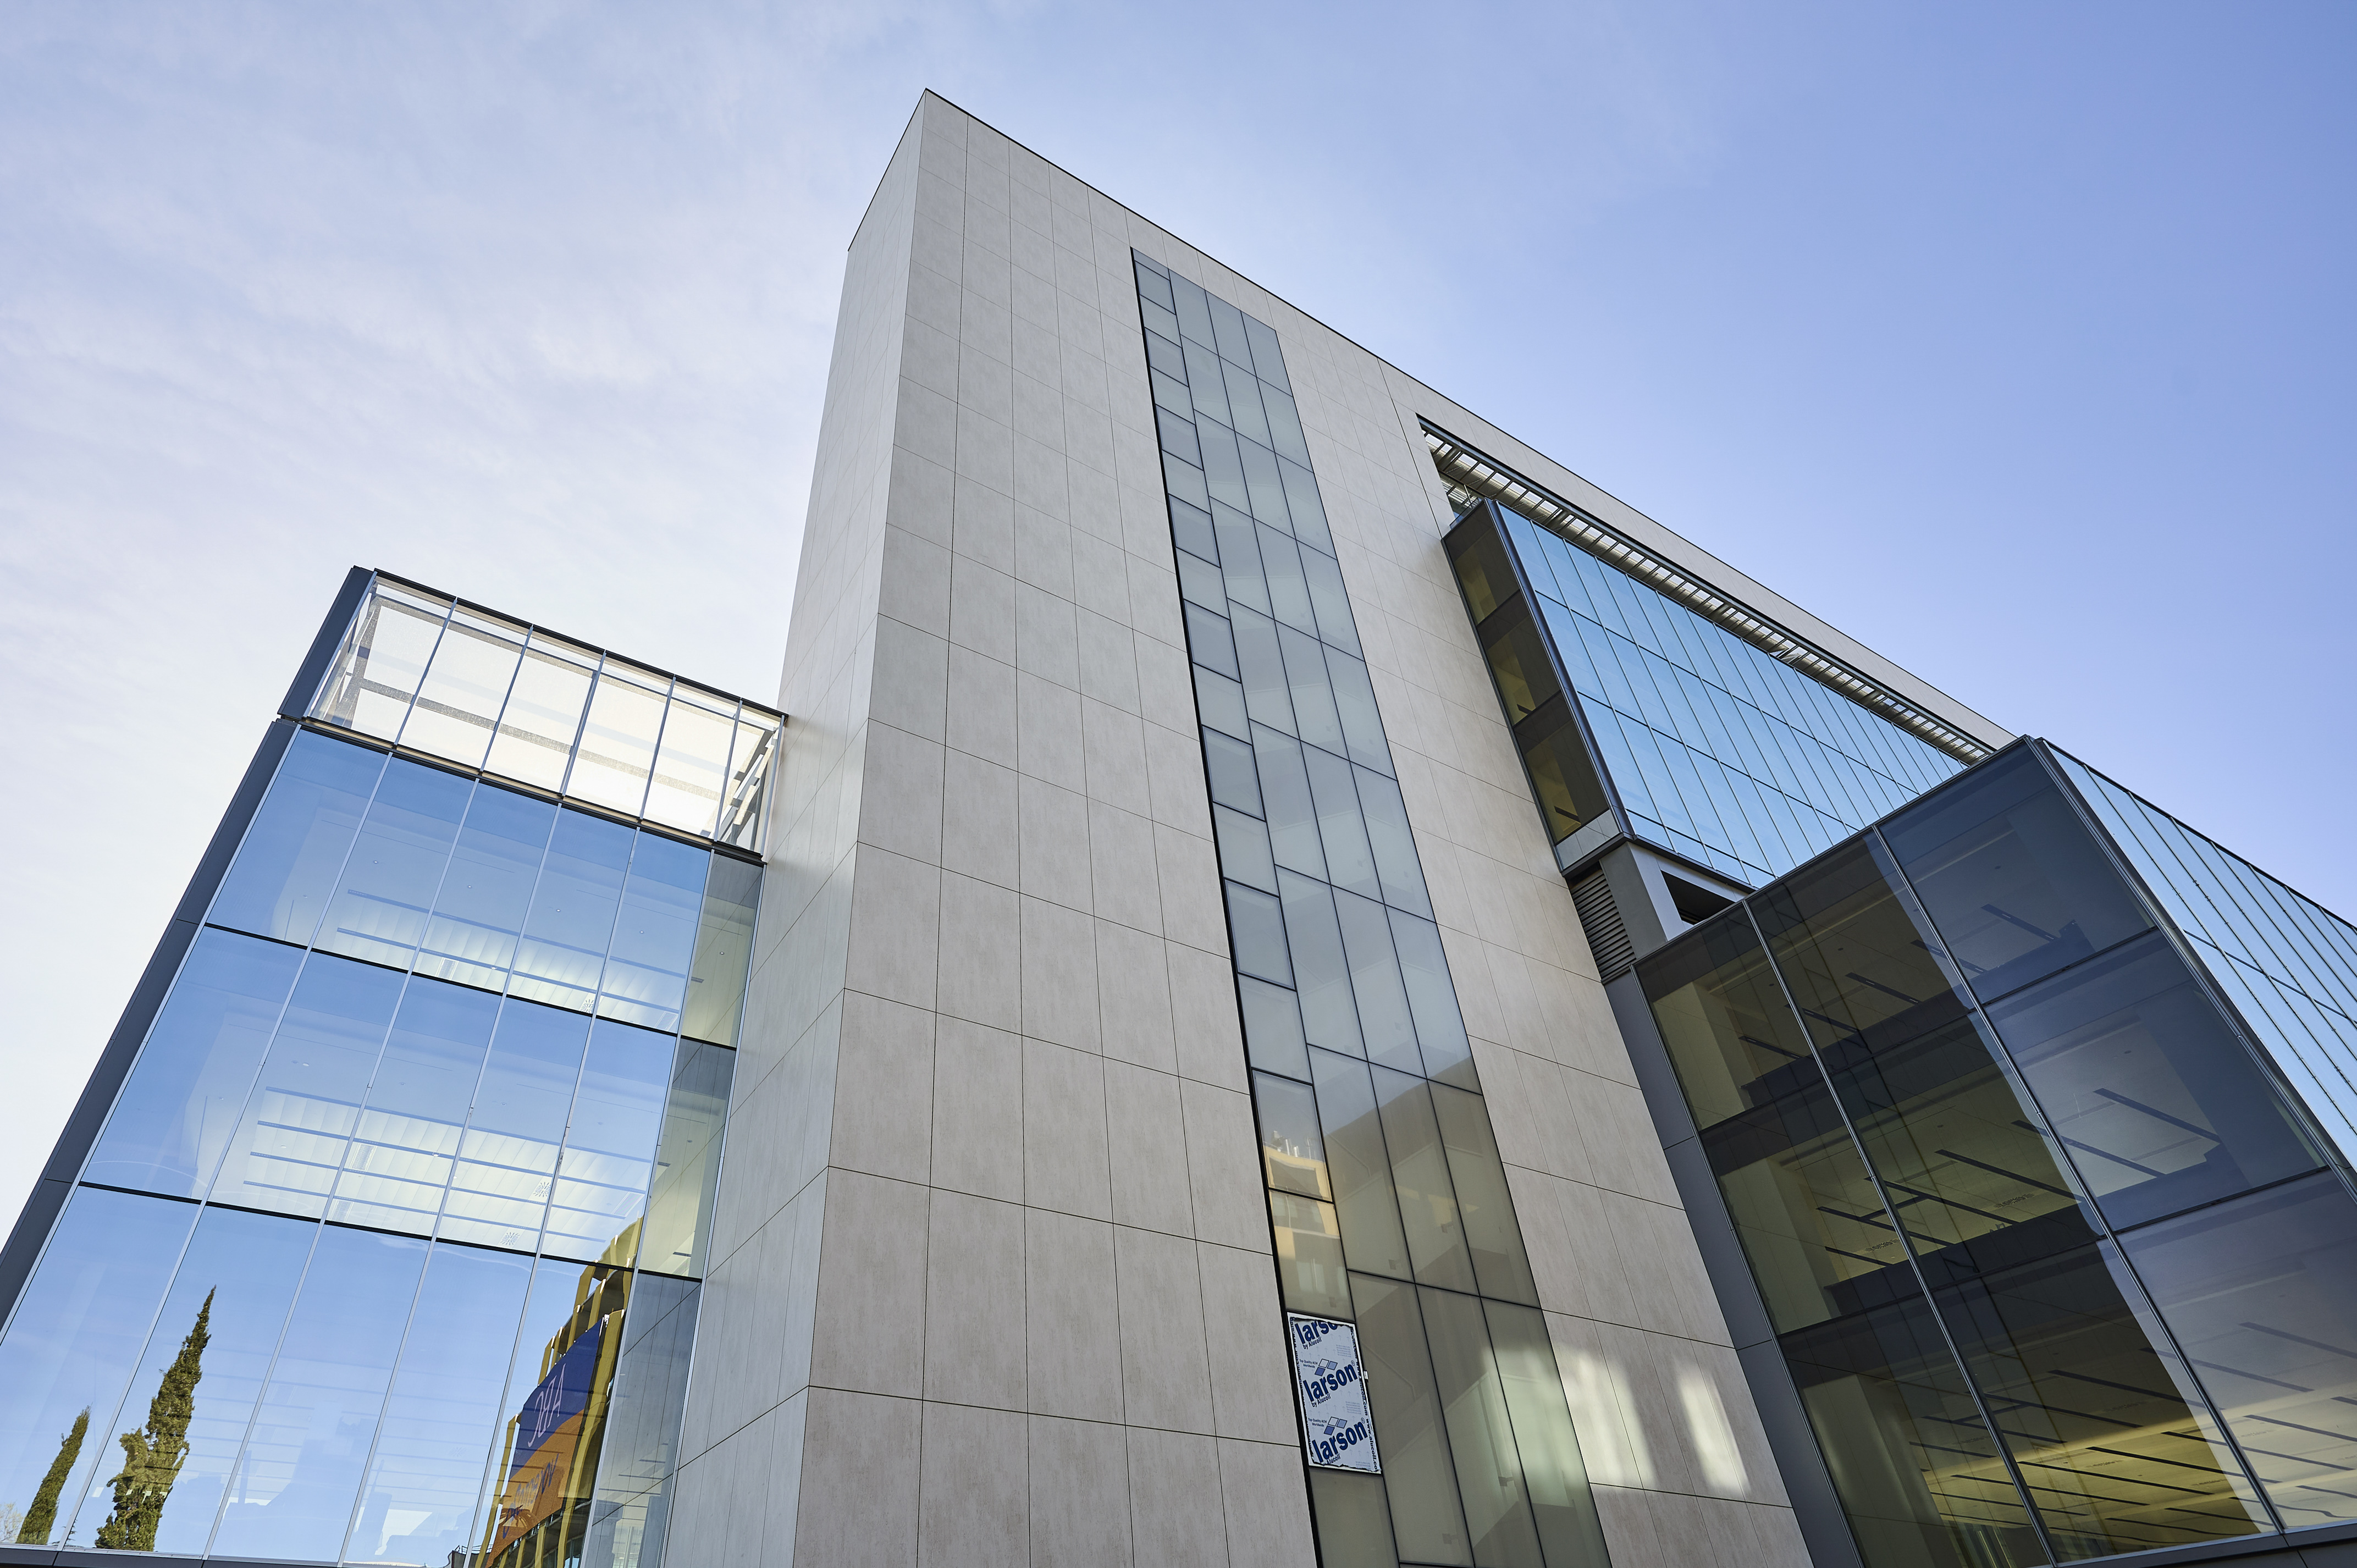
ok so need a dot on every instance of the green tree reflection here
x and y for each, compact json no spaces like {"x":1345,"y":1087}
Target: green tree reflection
{"x":42,"y":1516}
{"x":151,"y":1457}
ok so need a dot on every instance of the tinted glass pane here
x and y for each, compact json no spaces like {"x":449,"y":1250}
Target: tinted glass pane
{"x":1354,"y":1523}
{"x":1244,"y":849}
{"x":1267,"y":696}
{"x":1272,"y":1020}
{"x":407,"y":1139}
{"x":1313,"y":699}
{"x":724,"y":945}
{"x":293,"y":1492}
{"x":507,"y":1159}
{"x":2157,"y":1101}
{"x":382,"y":662}
{"x":609,"y":1147}
{"x":2011,"y":877}
{"x":571,"y":918}
{"x":180,"y":1107}
{"x":480,"y":905}
{"x":1355,"y":696}
{"x":1858,"y":967}
{"x":1256,"y":930}
{"x":1427,"y":1199}
{"x":1820,"y":1242}
{"x":1553,"y":1476}
{"x":1321,"y":972}
{"x":286,"y":869}
{"x":1359,"y":1166}
{"x":1292,"y":809}
{"x":1480,"y":1437}
{"x":219,"y":1328}
{"x":1723,"y":1018}
{"x":1479,"y":559}
{"x":1385,"y":1021}
{"x":418,"y":1503}
{"x":1410,"y":1425}
{"x":654,"y":934}
{"x":1968,"y":1174}
{"x":380,"y":907}
{"x":2258,"y":1292}
{"x":297,"y":1123}
{"x":1483,"y":1207}
{"x":2112,"y":1438}
{"x":1292,"y":1149}
{"x":1327,"y":594}
{"x":74,"y":1342}
{"x":1310,"y":1255}
{"x":1229,"y":765}
{"x":687,"y":1162}
{"x":1350,"y":861}
{"x":1919,"y":1475}
{"x":1562,"y":774}
{"x":1397,"y":867}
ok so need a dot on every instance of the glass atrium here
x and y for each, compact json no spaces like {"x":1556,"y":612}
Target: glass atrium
{"x":389,"y":1249}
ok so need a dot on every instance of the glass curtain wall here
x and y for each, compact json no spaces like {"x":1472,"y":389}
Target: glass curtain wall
{"x":389,"y":1250}
{"x":2058,"y":1267}
{"x":1716,"y":751}
{"x":435,"y":675}
{"x":2290,"y":964}
{"x":1386,"y":1196}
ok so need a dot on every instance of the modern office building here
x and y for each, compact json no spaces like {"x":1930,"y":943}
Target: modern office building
{"x":1300,"y":986}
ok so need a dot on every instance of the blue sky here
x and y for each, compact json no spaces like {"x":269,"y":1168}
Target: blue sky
{"x":2013,"y":339}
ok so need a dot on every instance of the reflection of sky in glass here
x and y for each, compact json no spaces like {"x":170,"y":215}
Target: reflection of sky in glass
{"x":1718,"y":751}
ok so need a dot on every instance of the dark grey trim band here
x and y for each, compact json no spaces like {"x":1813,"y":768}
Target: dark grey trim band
{"x":74,"y":1146}
{"x":297,"y":700}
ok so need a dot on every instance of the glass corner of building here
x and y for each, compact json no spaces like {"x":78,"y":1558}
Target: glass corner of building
{"x":2018,"y":1202}
{"x":389,"y":1246}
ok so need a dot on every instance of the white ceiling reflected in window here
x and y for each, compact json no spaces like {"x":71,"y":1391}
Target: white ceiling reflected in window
{"x":431,"y":675}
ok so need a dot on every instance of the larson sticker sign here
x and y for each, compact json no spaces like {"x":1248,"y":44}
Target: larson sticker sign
{"x":1333,"y":1385}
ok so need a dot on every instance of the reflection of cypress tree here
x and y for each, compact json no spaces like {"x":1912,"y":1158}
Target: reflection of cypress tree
{"x":152,"y":1458}
{"x":42,"y":1516}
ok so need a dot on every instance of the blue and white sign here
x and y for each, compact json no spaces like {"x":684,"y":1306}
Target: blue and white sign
{"x":1333,"y":1389}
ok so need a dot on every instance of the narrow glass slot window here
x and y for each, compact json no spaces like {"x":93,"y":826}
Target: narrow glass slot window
{"x":1293,"y":1150}
{"x":1267,"y":694}
{"x":1292,"y":810}
{"x":1322,"y":970}
{"x":1427,"y":1199}
{"x":1350,"y":863}
{"x":1257,"y":926}
{"x":1489,"y":1470}
{"x":1272,"y":1018}
{"x":1310,"y":1257}
{"x":1244,"y":849}
{"x":1554,"y":1476}
{"x":1313,"y":695}
{"x":1360,"y":1168}
{"x":1418,"y":1476}
{"x":1385,"y":1021}
{"x":1288,"y":590}
{"x":1484,"y":1209}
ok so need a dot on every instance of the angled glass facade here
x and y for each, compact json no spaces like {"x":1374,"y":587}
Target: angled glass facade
{"x":1387,"y":1200}
{"x":1708,"y":746}
{"x":2056,"y":1261}
{"x":388,"y":1249}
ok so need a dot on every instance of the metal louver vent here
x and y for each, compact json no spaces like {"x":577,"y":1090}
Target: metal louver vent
{"x":1600,"y":917}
